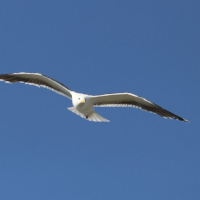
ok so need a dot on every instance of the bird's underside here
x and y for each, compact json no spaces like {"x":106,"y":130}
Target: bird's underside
{"x":83,"y":104}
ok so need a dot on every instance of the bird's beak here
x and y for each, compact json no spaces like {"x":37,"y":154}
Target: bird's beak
{"x":83,"y":101}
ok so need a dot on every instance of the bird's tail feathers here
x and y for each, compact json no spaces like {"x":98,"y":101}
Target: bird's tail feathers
{"x":93,"y":116}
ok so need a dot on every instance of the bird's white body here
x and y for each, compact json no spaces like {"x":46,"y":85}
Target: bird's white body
{"x":83,"y":104}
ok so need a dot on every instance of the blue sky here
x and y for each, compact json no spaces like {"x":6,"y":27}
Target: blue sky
{"x":149,"y":48}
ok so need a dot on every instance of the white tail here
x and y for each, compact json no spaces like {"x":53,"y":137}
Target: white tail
{"x":93,"y":116}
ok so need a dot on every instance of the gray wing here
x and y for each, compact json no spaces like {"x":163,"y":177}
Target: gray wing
{"x":38,"y":80}
{"x":131,"y":100}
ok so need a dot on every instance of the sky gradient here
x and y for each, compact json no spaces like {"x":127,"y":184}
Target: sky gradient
{"x":147,"y":48}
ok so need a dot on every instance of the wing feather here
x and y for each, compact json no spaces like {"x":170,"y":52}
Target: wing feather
{"x":131,"y":100}
{"x":38,"y":80}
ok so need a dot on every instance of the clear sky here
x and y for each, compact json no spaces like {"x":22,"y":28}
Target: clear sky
{"x":149,"y":48}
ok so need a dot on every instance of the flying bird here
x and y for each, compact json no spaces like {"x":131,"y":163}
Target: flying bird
{"x":83,"y":104}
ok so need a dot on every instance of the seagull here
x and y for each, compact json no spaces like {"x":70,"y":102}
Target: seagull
{"x":83,"y":104}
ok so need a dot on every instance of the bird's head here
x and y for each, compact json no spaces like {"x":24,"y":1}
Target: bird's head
{"x":81,"y":100}
{"x":78,"y":100}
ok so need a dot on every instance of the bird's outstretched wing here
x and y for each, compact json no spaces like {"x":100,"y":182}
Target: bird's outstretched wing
{"x":38,"y":80}
{"x":131,"y":100}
